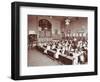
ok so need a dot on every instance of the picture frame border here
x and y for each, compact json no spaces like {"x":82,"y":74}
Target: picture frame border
{"x":15,"y":40}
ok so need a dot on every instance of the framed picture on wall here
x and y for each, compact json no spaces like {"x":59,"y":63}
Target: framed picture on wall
{"x":53,"y":40}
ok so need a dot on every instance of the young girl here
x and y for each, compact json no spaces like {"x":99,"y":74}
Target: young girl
{"x":57,"y":53}
{"x":75,"y":57}
{"x":47,"y":48}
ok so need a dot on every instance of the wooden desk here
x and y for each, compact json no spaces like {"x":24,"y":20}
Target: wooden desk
{"x":67,"y":60}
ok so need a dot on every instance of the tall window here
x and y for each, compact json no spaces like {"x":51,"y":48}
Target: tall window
{"x":45,"y":28}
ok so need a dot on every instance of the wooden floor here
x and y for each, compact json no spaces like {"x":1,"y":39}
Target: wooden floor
{"x":36,"y":58}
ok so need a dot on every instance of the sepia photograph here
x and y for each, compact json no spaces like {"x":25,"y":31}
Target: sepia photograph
{"x":57,"y":40}
{"x":53,"y":40}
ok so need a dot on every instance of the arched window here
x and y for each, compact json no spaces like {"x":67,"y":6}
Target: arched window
{"x":45,"y":27}
{"x":45,"y":24}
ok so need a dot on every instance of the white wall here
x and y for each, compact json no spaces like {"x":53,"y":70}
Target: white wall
{"x":32,"y":23}
{"x":5,"y":40}
{"x":56,"y":25}
{"x":79,"y":26}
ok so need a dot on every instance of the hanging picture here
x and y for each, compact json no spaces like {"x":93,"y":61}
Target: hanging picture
{"x":53,"y":40}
